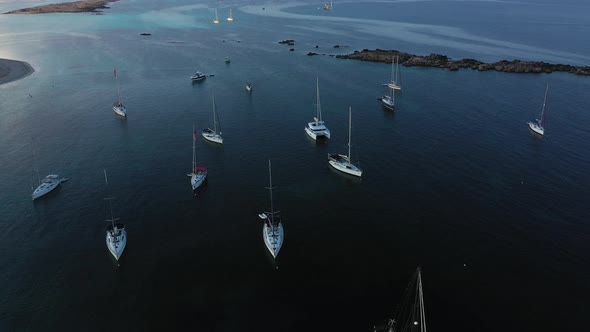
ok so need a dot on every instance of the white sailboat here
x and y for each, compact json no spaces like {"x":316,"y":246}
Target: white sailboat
{"x":216,"y":20}
{"x":230,"y":17}
{"x":198,"y":174}
{"x":328,"y":7}
{"x":272,"y":231}
{"x":118,"y":106}
{"x":395,"y":83}
{"x":538,"y":125}
{"x":317,"y":128}
{"x":410,"y":315}
{"x":46,"y":185}
{"x":212,"y":135}
{"x":249,"y":86}
{"x":116,"y":237}
{"x":342,"y":162}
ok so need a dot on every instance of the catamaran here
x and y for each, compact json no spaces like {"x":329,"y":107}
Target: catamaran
{"x":317,"y":128}
{"x":272,"y":231}
{"x":410,"y":315}
{"x":198,"y":174}
{"x":212,"y":135}
{"x":342,"y":162}
{"x":118,"y":107}
{"x":216,"y":20}
{"x":116,"y":237}
{"x":538,"y":125}
{"x":395,"y":81}
{"x":230,"y":17}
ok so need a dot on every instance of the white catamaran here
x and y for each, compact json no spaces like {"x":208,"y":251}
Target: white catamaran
{"x":272,"y":231}
{"x":213,"y":135}
{"x":538,"y":125}
{"x":317,"y":128}
{"x":342,"y":162}
{"x":394,"y":83}
{"x":230,"y":18}
{"x":116,"y":237}
{"x":198,"y":174}
{"x":118,"y":107}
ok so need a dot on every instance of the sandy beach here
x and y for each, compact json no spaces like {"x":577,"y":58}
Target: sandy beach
{"x":12,"y":70}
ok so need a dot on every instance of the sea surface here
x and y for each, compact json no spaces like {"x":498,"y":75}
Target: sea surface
{"x":453,"y":181}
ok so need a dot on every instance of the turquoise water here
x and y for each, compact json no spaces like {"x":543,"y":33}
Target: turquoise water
{"x":453,"y":177}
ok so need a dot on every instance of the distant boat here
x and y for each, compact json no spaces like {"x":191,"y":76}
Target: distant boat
{"x":116,"y":235}
{"x":410,"y":314}
{"x":216,"y":20}
{"x":538,"y":125}
{"x":198,"y":76}
{"x":212,"y":135}
{"x":272,"y":231}
{"x":198,"y":174}
{"x":343,"y":162}
{"x":46,"y":185}
{"x":317,"y":128}
{"x":227,"y":60}
{"x":248,"y":86}
{"x":388,"y":101}
{"x":118,"y":107}
{"x":328,"y":7}
{"x":395,"y":80}
{"x":230,"y":17}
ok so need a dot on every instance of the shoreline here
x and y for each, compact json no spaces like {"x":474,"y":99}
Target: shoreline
{"x":84,"y":6}
{"x":13,"y":70}
{"x":442,"y":61}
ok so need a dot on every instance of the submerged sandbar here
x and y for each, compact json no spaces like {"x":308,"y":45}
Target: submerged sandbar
{"x":84,"y":6}
{"x":12,"y":70}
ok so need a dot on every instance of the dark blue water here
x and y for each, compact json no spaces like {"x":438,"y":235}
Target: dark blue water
{"x":453,"y":180}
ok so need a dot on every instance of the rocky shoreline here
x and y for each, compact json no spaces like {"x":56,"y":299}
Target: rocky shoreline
{"x":84,"y":6}
{"x":442,"y":61}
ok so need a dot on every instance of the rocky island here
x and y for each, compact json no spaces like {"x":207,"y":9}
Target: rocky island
{"x":91,"y":6}
{"x":442,"y":61}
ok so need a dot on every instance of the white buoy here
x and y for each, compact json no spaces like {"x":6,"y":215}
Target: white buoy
{"x":415,"y":322}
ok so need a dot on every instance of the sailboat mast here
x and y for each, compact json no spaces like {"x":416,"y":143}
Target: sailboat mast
{"x":272,"y":210}
{"x":319,"y":108}
{"x":349,"y":130}
{"x":544,"y":104}
{"x":117,"y":84}
{"x":109,"y":199}
{"x":422,"y":314}
{"x":214,"y":115}
{"x":397,"y":69}
{"x":194,"y":151}
{"x":35,"y":162}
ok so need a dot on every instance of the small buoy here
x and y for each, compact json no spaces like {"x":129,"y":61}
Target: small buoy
{"x":464,"y":264}
{"x":415,"y":322}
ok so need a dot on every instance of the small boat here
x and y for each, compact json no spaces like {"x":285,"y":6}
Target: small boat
{"x":272,"y":231}
{"x":198,"y":174}
{"x":248,"y":86}
{"x":118,"y":107}
{"x":317,"y":128}
{"x":46,"y":185}
{"x":230,"y":17}
{"x":395,"y":80}
{"x":538,"y":125}
{"x":216,"y":20}
{"x":116,"y":235}
{"x":328,"y":6}
{"x":342,"y":162}
{"x":212,"y":135}
{"x":198,"y":76}
{"x":227,"y":60}
{"x":410,"y":314}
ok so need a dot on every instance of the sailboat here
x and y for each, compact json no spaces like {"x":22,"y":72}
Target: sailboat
{"x":388,"y":101}
{"x":342,"y":162}
{"x":272,"y":231}
{"x":216,"y":20}
{"x":249,"y":86}
{"x":230,"y":17}
{"x":116,"y":237}
{"x":410,"y":315}
{"x":118,"y":107}
{"x":328,"y":7}
{"x":198,"y":174}
{"x":538,"y":125}
{"x":212,"y":135}
{"x":317,"y":128}
{"x":46,"y":185}
{"x":395,"y":81}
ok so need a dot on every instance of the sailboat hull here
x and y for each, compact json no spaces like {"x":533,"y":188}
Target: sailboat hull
{"x":341,"y":163}
{"x":120,"y":110}
{"x":211,"y":136}
{"x":197,"y":179}
{"x":314,"y":132}
{"x":388,"y":102}
{"x":535,"y":127}
{"x":47,"y":185}
{"x":116,"y":241}
{"x":273,"y":238}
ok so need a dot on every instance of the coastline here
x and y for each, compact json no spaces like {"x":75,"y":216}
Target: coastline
{"x":442,"y":61}
{"x":84,"y":6}
{"x":12,"y":70}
